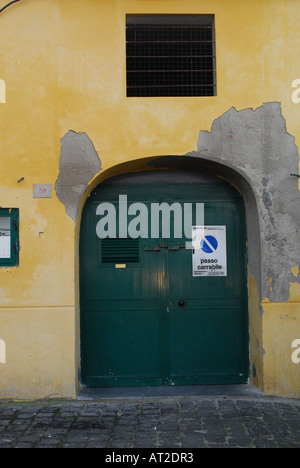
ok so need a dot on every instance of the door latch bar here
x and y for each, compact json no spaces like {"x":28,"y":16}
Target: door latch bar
{"x":167,"y":247}
{"x":156,"y":249}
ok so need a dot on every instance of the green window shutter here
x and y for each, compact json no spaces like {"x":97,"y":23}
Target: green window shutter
{"x":119,"y":250}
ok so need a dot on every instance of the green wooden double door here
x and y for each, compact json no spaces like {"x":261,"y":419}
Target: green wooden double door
{"x":146,"y":319}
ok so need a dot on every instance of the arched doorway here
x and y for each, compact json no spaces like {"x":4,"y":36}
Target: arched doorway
{"x":147,"y":318}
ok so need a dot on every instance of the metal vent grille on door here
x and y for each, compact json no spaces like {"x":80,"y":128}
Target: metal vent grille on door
{"x":117,"y":250}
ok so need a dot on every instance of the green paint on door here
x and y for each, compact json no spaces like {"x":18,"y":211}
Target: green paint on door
{"x":145,"y":319}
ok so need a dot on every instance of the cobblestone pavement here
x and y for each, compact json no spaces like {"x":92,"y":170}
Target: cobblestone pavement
{"x":170,"y":423}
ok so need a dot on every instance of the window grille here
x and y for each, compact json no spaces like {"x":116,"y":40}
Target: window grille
{"x":170,"y":55}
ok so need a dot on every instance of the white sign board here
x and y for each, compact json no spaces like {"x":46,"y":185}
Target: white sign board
{"x":209,"y":251}
{"x":42,"y":191}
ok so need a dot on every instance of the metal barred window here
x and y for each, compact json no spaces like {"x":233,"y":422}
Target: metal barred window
{"x":170,"y":55}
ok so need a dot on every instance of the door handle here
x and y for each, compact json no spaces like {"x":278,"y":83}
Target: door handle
{"x":181,"y":303}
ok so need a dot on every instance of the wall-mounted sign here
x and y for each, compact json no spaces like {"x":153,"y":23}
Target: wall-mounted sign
{"x":42,"y":191}
{"x":209,"y":251}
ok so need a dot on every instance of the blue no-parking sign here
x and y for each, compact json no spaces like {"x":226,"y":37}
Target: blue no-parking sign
{"x":209,"y":244}
{"x":209,"y":251}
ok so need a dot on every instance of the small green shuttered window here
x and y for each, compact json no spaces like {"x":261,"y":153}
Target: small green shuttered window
{"x":119,"y":250}
{"x":9,"y":237}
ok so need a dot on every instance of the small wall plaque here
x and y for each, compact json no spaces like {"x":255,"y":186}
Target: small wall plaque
{"x":42,"y":191}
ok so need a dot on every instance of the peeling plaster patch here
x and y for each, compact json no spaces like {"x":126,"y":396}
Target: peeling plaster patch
{"x":264,"y":154}
{"x":267,"y":200}
{"x":79,"y":163}
{"x":265,"y":181}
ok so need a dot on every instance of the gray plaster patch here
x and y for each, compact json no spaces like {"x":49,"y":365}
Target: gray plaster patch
{"x":78,"y":164}
{"x":256,"y":144}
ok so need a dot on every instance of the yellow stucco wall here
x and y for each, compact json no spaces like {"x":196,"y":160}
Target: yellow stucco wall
{"x":280,"y":330}
{"x":39,"y":357}
{"x":63,"y":66}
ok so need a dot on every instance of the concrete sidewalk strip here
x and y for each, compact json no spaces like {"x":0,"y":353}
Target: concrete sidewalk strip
{"x":157,"y":423}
